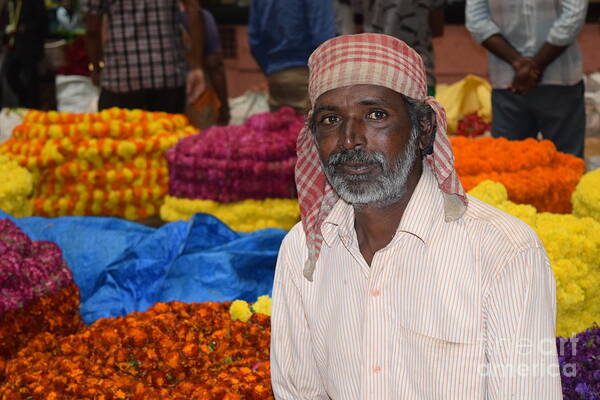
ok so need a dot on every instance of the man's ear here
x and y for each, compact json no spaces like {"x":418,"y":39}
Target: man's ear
{"x":428,"y":127}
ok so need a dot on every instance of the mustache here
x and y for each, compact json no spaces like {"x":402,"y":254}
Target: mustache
{"x":358,"y":156}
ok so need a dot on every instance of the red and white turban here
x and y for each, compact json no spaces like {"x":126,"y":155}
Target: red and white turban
{"x":372,"y":59}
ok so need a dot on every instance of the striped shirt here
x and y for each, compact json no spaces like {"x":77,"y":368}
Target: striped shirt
{"x":144,"y":48}
{"x":458,"y":310}
{"x":527,"y":25}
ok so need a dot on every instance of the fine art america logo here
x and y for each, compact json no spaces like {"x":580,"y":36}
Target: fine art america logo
{"x":531,"y":359}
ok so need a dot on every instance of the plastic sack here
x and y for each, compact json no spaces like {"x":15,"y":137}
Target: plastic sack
{"x":121,"y":266}
{"x":76,"y":93}
{"x":246,"y":105}
{"x":592,"y":104}
{"x":9,"y":118}
{"x":470,"y":94}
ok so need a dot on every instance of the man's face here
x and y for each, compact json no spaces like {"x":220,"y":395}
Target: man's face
{"x":363,"y":134}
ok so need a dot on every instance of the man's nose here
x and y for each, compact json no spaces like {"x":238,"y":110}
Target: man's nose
{"x":352,"y":134}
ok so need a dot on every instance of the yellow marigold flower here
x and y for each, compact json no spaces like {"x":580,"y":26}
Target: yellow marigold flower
{"x":53,"y":116}
{"x":239,"y":310}
{"x":586,"y":197}
{"x":263,"y":305}
{"x":140,"y":162}
{"x":54,"y":131}
{"x":131,"y":213}
{"x":126,"y":149}
{"x":150,"y":209}
{"x":491,"y":192}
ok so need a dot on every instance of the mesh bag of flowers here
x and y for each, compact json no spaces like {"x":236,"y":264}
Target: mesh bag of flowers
{"x":171,"y":351}
{"x":108,"y":163}
{"x":532,"y":171}
{"x":219,"y":170}
{"x":37,"y":292}
{"x":573,"y":247}
{"x":16,"y":187}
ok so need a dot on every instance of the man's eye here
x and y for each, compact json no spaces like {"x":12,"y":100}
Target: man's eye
{"x":330,"y":120}
{"x":377,"y":115}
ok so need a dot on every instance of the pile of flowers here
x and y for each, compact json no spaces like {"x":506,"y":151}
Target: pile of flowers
{"x":172,"y":351}
{"x":532,"y":171}
{"x":573,"y":246}
{"x":242,"y":216}
{"x":586,"y":198}
{"x":579,"y":356}
{"x":472,"y":125}
{"x":238,"y":162}
{"x":107,"y":163}
{"x":37,"y":292}
{"x":16,"y":187}
{"x":232,"y":164}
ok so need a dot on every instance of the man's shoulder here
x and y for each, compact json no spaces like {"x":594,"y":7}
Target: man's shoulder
{"x":295,"y":238}
{"x":500,"y":228}
{"x":293,"y":252}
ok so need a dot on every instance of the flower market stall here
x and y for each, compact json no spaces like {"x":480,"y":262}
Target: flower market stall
{"x":107,"y":308}
{"x":255,"y":159}
{"x":108,"y":163}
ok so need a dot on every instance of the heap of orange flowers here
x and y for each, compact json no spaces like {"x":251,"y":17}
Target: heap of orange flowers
{"x":56,"y":314}
{"x":172,"y":351}
{"x":107,"y":163}
{"x":532,"y":171}
{"x":37,"y":292}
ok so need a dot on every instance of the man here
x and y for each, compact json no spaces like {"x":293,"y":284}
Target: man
{"x":143,"y":63}
{"x":24,"y":29}
{"x":535,"y":68}
{"x":212,"y":107}
{"x":415,"y":22}
{"x":396,"y":285}
{"x":282,"y":35}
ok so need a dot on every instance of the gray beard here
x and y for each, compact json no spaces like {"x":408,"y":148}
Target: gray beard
{"x":365,"y":190}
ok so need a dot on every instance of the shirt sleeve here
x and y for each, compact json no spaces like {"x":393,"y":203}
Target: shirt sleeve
{"x":479,"y":21}
{"x":212,"y":42}
{"x":570,"y":21}
{"x":294,"y":374}
{"x":321,"y":18}
{"x":520,"y":316}
{"x":255,"y":36}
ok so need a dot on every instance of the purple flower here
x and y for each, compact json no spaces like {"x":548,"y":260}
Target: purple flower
{"x":234,"y":163}
{"x":28,"y":269}
{"x":579,"y":360}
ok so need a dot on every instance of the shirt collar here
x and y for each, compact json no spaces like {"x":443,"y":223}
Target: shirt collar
{"x":424,"y":207}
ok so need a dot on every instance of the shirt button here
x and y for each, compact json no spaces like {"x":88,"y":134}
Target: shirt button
{"x":377,"y":369}
{"x":376,"y":292}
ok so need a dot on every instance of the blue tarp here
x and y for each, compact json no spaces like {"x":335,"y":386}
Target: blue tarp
{"x":121,"y":266}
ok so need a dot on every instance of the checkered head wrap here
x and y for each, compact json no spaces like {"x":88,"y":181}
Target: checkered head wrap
{"x":372,"y":59}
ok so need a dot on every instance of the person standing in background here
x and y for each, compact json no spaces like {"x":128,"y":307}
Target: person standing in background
{"x":415,"y":22}
{"x":143,"y":63}
{"x":212,"y":107}
{"x":535,"y":68}
{"x":344,"y":17}
{"x":24,"y":29}
{"x":282,"y":35}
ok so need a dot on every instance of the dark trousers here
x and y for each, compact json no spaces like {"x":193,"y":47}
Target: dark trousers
{"x":22,"y":76}
{"x":171,"y":100}
{"x":557,"y":111}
